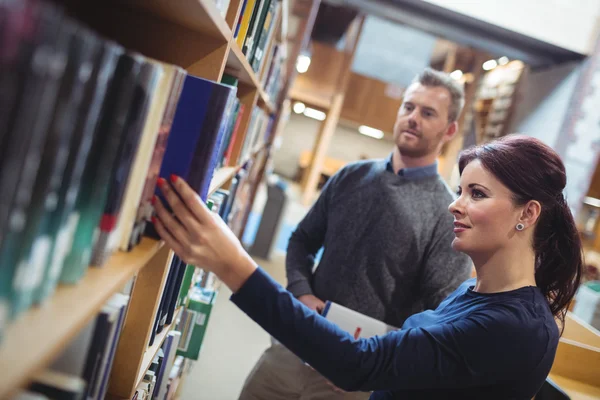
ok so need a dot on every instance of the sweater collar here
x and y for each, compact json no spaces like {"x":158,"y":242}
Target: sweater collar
{"x":427,"y":171}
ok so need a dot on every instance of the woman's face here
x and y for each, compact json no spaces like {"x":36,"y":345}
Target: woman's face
{"x":484,"y":214}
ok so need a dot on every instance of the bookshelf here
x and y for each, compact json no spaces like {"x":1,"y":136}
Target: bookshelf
{"x":200,"y":16}
{"x":194,"y":35}
{"x":38,"y":336}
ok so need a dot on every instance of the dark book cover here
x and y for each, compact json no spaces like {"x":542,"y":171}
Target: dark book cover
{"x":64,"y":220}
{"x":252,"y":27}
{"x":163,"y":299}
{"x":144,"y":90}
{"x":169,"y":289}
{"x":260,"y":22}
{"x":267,"y":26}
{"x":108,"y":319}
{"x":36,"y":242}
{"x":100,"y":165}
{"x":97,"y":346}
{"x":145,"y":209}
{"x":176,"y":289}
{"x":119,"y":302}
{"x":25,"y":143}
{"x":17,"y":41}
{"x":199,"y":125}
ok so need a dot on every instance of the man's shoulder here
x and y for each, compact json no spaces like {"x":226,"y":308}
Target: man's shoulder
{"x":361,"y":168}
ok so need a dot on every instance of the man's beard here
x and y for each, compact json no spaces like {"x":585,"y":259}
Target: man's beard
{"x":423,"y":148}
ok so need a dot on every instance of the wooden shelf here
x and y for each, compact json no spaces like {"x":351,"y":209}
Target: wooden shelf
{"x":45,"y":331}
{"x":311,"y":99}
{"x":575,"y":389}
{"x":221,"y":177}
{"x":266,"y":100}
{"x":197,"y":15}
{"x":158,"y":342}
{"x":238,"y":65}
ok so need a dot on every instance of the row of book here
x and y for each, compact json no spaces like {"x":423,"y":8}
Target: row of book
{"x":274,"y":76}
{"x":162,"y":378}
{"x":82,"y":370}
{"x":255,"y":29}
{"x":87,"y":127}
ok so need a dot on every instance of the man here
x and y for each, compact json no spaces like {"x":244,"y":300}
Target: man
{"x":386,"y":233}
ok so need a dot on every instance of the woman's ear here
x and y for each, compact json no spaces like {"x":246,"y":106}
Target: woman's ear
{"x":530,"y":214}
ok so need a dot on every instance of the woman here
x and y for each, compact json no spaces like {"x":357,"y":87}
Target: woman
{"x":495,"y":337}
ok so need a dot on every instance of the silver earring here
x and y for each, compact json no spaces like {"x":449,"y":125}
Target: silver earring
{"x":520,"y":227}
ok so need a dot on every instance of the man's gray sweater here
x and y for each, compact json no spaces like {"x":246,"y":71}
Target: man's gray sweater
{"x":387,"y":243}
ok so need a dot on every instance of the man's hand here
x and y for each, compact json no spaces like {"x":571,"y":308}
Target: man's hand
{"x":312,"y":302}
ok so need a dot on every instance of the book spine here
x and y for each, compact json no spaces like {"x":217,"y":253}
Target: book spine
{"x":28,"y":137}
{"x":48,"y":197}
{"x":100,"y":166}
{"x":145,"y":209}
{"x":85,"y":127}
{"x":147,"y":80}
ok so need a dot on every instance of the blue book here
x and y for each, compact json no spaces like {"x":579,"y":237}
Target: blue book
{"x":199,"y":125}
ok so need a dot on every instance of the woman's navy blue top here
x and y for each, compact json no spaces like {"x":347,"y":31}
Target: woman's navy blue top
{"x":474,"y":345}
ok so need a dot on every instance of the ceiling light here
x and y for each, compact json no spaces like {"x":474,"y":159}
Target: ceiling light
{"x":456,"y":75}
{"x":314,"y":114}
{"x":302,"y":64}
{"x":371,"y":132}
{"x":490,"y":64}
{"x":503,"y":60}
{"x":299,"y":107}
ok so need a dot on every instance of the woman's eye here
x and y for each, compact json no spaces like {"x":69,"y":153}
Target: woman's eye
{"x":477,"y":194}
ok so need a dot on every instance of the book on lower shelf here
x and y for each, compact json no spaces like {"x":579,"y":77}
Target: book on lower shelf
{"x":82,"y":369}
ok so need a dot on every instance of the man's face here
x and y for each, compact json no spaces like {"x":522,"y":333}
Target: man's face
{"x":422,"y":122}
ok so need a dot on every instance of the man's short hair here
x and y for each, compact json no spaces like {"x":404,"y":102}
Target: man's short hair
{"x":432,"y":78}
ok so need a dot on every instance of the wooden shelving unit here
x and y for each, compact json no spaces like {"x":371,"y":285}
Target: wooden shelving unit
{"x":39,"y":335}
{"x":194,"y":35}
{"x":237,"y":64}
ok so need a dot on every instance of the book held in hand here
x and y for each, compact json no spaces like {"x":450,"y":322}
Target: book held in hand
{"x":357,"y":324}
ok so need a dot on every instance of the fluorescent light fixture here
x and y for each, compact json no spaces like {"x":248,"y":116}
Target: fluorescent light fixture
{"x":302,"y":64}
{"x":490,"y":64}
{"x":591,"y":201}
{"x":314,"y":114}
{"x":299,"y":107}
{"x":371,"y":132}
{"x":503,"y":60}
{"x":456,"y":75}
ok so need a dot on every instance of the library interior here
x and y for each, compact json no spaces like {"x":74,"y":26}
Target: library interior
{"x":276,"y":113}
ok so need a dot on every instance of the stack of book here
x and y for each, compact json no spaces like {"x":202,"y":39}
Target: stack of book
{"x":83,"y":369}
{"x":255,"y":29}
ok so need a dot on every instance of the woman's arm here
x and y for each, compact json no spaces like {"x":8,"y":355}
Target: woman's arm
{"x":479,"y":349}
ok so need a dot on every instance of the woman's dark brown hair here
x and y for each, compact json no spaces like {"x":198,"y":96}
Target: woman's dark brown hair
{"x":534,"y":171}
